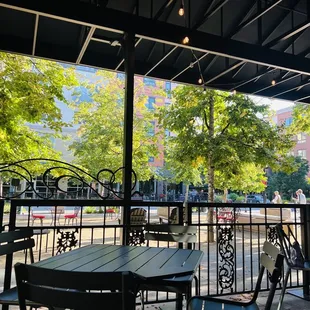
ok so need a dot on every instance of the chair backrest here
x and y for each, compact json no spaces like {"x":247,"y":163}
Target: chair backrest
{"x":137,"y":216}
{"x":174,"y":233}
{"x":286,"y":244}
{"x":76,"y":211}
{"x":75,"y":290}
{"x":58,"y":210}
{"x":272,"y":260}
{"x":18,"y":240}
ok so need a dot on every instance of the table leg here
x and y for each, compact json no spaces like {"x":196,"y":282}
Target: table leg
{"x":179,"y":302}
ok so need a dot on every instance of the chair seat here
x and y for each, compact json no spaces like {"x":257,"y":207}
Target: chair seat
{"x":174,"y":285}
{"x":41,"y":232}
{"x":38,"y":216}
{"x":70,"y":216}
{"x":10,"y":297}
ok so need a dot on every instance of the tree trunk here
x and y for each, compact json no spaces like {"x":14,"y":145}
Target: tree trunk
{"x":185,"y":204}
{"x":225,"y":195}
{"x":211,"y":172}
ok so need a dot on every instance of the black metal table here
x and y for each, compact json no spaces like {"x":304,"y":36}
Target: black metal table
{"x":155,"y":265}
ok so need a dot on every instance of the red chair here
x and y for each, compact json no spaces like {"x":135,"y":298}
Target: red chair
{"x":37,"y":217}
{"x":111,"y":212}
{"x":72,"y":216}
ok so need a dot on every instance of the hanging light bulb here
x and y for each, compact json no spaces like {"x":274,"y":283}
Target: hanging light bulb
{"x":200,"y":81}
{"x":191,"y":65}
{"x":181,"y":9}
{"x":185,"y":40}
{"x":273,"y":82}
{"x":204,"y":90}
{"x":234,"y":92}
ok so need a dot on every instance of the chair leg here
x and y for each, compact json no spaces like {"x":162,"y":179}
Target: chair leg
{"x":142,"y":299}
{"x":283,"y":289}
{"x":196,"y":286}
{"x":272,"y":289}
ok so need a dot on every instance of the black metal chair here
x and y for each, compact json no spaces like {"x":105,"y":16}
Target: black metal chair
{"x":272,"y":260}
{"x":75,"y":290}
{"x":179,"y":234}
{"x":11,"y":242}
{"x":286,"y":247}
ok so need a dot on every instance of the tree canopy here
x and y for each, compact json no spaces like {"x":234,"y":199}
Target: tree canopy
{"x":288,"y":183}
{"x":101,"y":135}
{"x":28,"y":90}
{"x":222,"y":136}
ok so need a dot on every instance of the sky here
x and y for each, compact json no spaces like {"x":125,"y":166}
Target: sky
{"x":275,"y":104}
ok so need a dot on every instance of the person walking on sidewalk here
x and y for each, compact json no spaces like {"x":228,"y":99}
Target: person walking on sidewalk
{"x":301,"y":198}
{"x":277,"y":198}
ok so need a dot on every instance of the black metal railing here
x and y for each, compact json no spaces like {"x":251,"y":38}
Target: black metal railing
{"x":230,"y":235}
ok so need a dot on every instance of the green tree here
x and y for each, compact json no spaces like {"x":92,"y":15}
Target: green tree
{"x":217,"y":133}
{"x":100,"y":142}
{"x":288,"y":183}
{"x":28,"y":90}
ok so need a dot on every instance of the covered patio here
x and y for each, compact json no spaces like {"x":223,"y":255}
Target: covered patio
{"x":253,"y":47}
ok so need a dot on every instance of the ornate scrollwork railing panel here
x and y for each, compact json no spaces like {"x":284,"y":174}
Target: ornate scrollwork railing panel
{"x":67,"y":240}
{"x":226,"y":273}
{"x":273,"y":236}
{"x":55,"y":173}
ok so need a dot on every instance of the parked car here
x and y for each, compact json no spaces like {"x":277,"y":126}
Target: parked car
{"x":256,"y":199}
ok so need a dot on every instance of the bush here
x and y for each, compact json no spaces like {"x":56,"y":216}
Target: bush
{"x":233,"y":196}
{"x":240,"y":199}
{"x":218,"y":199}
{"x":89,"y":210}
{"x":7,"y":207}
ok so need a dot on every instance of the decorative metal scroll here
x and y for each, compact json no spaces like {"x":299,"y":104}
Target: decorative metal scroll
{"x":55,"y":173}
{"x":273,"y":236}
{"x":227,"y":256}
{"x":66,"y":240}
{"x":136,"y":237}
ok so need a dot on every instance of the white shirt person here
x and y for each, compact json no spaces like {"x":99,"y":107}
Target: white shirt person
{"x":301,"y":198}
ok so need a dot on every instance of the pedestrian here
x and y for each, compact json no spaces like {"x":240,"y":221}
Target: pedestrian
{"x":301,"y":198}
{"x":277,"y":198}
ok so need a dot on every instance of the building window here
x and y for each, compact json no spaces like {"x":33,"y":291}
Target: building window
{"x":150,"y":103}
{"x":151,"y":159}
{"x":151,"y":131}
{"x":168,"y":89}
{"x":120,"y":76}
{"x":301,"y":137}
{"x":288,"y":121}
{"x":302,"y":154}
{"x":149,"y":82}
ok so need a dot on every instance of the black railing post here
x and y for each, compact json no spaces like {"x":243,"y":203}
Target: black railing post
{"x":305,"y":229}
{"x":9,"y":257}
{"x":129,"y":63}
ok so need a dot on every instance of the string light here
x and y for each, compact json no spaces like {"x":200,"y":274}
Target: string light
{"x":185,"y":40}
{"x":181,"y":9}
{"x":200,"y":81}
{"x":204,"y":90}
{"x":234,"y":92}
{"x":273,"y":82}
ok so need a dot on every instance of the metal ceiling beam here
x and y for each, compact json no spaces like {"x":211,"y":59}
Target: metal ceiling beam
{"x":231,"y":34}
{"x":288,"y":34}
{"x":122,"y":61}
{"x":188,"y":67}
{"x":145,"y":28}
{"x":257,"y":16}
{"x":210,"y":13}
{"x":304,"y":83}
{"x":158,"y":63}
{"x":35,"y":33}
{"x":85,"y":44}
{"x":278,"y":83}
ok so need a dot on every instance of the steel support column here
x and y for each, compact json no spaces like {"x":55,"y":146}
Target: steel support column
{"x":129,"y":63}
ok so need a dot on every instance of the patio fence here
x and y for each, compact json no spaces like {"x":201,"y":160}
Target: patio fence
{"x":231,"y":245}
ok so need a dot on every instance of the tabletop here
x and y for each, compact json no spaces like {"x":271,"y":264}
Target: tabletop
{"x":148,"y":262}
